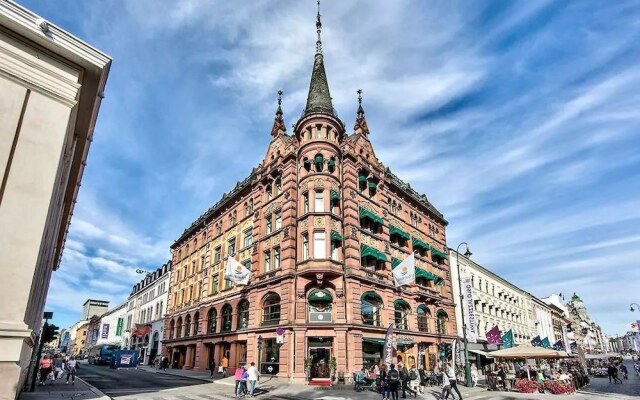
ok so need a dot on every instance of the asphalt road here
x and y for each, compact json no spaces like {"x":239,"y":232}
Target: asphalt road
{"x":126,"y":382}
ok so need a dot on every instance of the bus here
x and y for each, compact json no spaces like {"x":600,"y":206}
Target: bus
{"x":101,"y":354}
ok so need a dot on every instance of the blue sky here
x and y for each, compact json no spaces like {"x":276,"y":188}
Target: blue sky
{"x":519,"y":120}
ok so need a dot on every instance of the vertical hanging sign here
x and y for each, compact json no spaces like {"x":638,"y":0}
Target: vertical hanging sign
{"x":388,"y":347}
{"x":119,"y":327}
{"x":470,"y":313}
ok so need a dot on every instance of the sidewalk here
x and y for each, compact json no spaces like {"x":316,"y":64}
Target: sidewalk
{"x":185,"y":373}
{"x":59,"y":390}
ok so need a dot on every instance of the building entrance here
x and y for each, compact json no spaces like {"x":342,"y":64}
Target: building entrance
{"x":320,"y":352}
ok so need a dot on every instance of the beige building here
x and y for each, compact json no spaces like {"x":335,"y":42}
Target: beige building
{"x":51,"y":86}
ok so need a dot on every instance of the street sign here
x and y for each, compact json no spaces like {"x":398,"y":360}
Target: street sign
{"x":280,"y":339}
{"x":280,"y":331}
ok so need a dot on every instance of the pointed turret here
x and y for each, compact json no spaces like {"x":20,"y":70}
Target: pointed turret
{"x":319,"y":99}
{"x":361,"y":123}
{"x":278,"y":123}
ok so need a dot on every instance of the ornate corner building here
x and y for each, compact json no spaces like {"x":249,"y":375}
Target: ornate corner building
{"x":321,"y":222}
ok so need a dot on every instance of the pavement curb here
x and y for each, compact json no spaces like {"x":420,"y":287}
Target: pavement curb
{"x":96,"y":391}
{"x":195,"y":378}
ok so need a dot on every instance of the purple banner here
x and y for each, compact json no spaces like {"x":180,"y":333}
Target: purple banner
{"x":105,"y":331}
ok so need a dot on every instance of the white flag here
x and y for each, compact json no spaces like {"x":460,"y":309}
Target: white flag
{"x":236,"y":272}
{"x":470,"y":312}
{"x":405,"y":272}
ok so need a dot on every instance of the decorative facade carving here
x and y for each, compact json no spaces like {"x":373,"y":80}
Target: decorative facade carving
{"x":318,"y":222}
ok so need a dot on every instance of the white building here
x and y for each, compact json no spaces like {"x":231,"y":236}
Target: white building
{"x":112,"y":326}
{"x":93,"y":307}
{"x":542,"y":321}
{"x":496,"y":302}
{"x":146,"y":307}
{"x":51,"y":87}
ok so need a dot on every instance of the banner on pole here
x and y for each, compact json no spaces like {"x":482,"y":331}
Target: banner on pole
{"x":105,"y":331}
{"x":405,"y":272}
{"x":470,"y":312}
{"x":388,"y":346}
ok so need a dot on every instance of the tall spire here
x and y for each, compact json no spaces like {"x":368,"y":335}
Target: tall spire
{"x":319,"y":98}
{"x":361,"y":123}
{"x":278,"y":123}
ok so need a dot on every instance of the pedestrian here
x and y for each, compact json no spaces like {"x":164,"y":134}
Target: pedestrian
{"x":614,"y":372}
{"x":253,"y":377}
{"x":71,"y":370}
{"x":384,"y":382}
{"x":224,"y":364}
{"x":414,"y":383}
{"x":45,"y":368}
{"x":446,"y":387}
{"x":474,"y":374}
{"x":242,"y":384}
{"x":212,"y":366}
{"x":451,"y":374}
{"x":164,"y":363}
{"x":393,"y":377}
{"x":405,"y":378}
{"x":623,"y":370}
{"x":57,"y":367}
{"x":237,"y":376}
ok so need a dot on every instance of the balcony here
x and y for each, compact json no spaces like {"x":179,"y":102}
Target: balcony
{"x":324,"y":266}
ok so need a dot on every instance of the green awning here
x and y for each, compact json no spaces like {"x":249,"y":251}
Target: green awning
{"x":366,"y":251}
{"x":362,"y":179}
{"x":372,"y":185}
{"x":405,"y":342}
{"x":401,"y":303}
{"x":373,"y":340}
{"x":419,"y":244}
{"x":319,"y":159}
{"x":331,"y":163}
{"x":435,"y":253}
{"x":394,"y":230}
{"x":395,"y":262}
{"x":364,"y":213}
{"x":370,"y":294}
{"x":336,"y":237}
{"x":320,"y":295}
{"x":429,"y":276}
{"x":335,"y":196}
{"x":307,"y":163}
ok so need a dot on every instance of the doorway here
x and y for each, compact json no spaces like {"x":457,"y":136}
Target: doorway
{"x":320,"y":352}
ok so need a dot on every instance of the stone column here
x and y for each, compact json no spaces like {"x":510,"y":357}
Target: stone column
{"x":188,"y":358}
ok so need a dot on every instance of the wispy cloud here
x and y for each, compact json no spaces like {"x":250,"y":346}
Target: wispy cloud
{"x":518,"y":120}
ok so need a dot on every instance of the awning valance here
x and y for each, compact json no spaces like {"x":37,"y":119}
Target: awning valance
{"x":435,"y":253}
{"x":394,"y":230}
{"x":401,"y":303}
{"x":364,"y":213}
{"x":331,"y":163}
{"x":419,"y":244}
{"x":366,"y":251}
{"x":336,"y":237}
{"x":362,"y":178}
{"x":319,"y":159}
{"x":307,"y":163}
{"x":424,"y":274}
{"x":320,"y":295}
{"x":395,"y":262}
{"x":372,"y":185}
{"x":373,"y":340}
{"x":334,"y":195}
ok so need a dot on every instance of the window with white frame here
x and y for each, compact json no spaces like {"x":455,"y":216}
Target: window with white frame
{"x":318,"y":205}
{"x":305,"y":246}
{"x":319,"y":245}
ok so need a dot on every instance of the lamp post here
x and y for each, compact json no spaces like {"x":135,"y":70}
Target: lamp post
{"x":260,"y":353}
{"x":633,"y":309}
{"x":467,"y":368}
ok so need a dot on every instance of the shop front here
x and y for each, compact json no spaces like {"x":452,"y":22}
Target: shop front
{"x":320,"y":355}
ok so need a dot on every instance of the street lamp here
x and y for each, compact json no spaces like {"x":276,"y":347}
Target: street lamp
{"x":633,"y":309}
{"x":467,"y":368}
{"x":260,"y":353}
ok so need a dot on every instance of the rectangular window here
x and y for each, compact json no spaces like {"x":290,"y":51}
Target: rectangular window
{"x":318,"y":131}
{"x":215,"y":281}
{"x":318,"y":205}
{"x":269,"y":226}
{"x":228,"y":284}
{"x":276,"y":258}
{"x":231,"y":249}
{"x":278,"y":220}
{"x":267,"y":261}
{"x":217,"y":256}
{"x":248,"y":238}
{"x":319,"y":245}
{"x":305,"y":247}
{"x":305,"y":203}
{"x":334,"y":250}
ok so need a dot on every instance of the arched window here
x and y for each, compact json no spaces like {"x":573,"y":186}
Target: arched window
{"x":187,"y":325}
{"x":401,"y":312}
{"x":278,"y":184}
{"x":269,"y":192}
{"x":370,"y":309}
{"x":318,"y":160}
{"x":243,"y":314}
{"x":271,"y":309}
{"x":212,"y":321}
{"x":196,"y":324}
{"x":320,"y":306}
{"x":172,"y":327}
{"x":331,"y":164}
{"x":443,"y":318}
{"x":424,"y":315}
{"x":226,"y":318}
{"x":179,"y":328}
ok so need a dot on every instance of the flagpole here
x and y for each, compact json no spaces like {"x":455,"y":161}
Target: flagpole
{"x":467,"y":368}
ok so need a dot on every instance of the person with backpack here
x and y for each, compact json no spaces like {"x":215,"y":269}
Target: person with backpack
{"x":393,"y":377}
{"x":414,"y":383}
{"x":405,"y":378}
{"x":384,"y":382}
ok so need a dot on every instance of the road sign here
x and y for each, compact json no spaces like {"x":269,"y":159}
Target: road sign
{"x":280,"y":331}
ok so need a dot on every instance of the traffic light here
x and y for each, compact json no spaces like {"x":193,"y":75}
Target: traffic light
{"x":49,"y":332}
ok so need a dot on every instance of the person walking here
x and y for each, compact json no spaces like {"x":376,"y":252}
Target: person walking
{"x":57,"y":367}
{"x":610,"y":370}
{"x":384,"y":382}
{"x":474,"y":374}
{"x":212,"y":366}
{"x":71,"y":370}
{"x":45,"y":368}
{"x":253,"y":377}
{"x":237,"y":377}
{"x":414,"y":383}
{"x":164,"y":363}
{"x":614,"y":371}
{"x":405,"y":378}
{"x":224,"y":364}
{"x":393,"y":377}
{"x":446,"y":387}
{"x":451,"y":373}
{"x":624,"y":371}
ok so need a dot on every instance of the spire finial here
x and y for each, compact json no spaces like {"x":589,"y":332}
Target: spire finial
{"x":359,"y":91}
{"x":280,"y":97}
{"x":319,"y":30}
{"x":361,"y":122}
{"x":278,"y":124}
